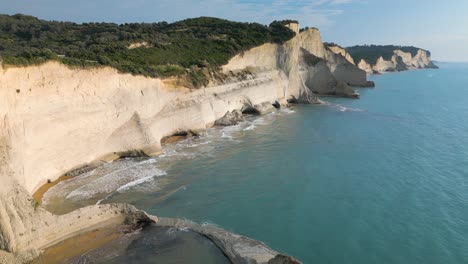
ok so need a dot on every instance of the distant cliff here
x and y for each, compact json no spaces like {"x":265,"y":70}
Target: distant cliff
{"x":389,"y":58}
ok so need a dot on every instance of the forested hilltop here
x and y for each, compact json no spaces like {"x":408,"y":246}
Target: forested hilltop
{"x":150,"y":49}
{"x":371,"y":53}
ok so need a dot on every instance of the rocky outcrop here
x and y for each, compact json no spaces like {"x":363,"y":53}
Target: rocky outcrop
{"x":363,"y":65}
{"x":341,"y":51}
{"x":230,"y":118}
{"x":26,"y":228}
{"x":55,"y":119}
{"x":239,"y":249}
{"x":400,"y":61}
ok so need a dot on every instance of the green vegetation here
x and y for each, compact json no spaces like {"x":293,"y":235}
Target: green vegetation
{"x":307,"y":28}
{"x":371,"y":53}
{"x":159,"y":49}
{"x":35,"y":204}
{"x":332,"y":44}
{"x":286,"y":22}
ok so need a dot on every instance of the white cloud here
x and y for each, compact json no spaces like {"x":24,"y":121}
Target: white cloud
{"x":318,"y":13}
{"x":338,"y":2}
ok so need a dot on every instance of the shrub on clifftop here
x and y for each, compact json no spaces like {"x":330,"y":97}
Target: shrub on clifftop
{"x":150,"y":49}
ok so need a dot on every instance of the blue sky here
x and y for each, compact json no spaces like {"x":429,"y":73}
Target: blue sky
{"x":440,"y":26}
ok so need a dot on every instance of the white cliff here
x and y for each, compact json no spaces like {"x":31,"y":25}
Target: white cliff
{"x":308,"y":64}
{"x":400,"y":61}
{"x":363,"y":65}
{"x":341,"y":51}
{"x":55,"y":119}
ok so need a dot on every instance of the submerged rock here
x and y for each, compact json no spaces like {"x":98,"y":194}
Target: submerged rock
{"x":283,"y":259}
{"x":237,"y":248}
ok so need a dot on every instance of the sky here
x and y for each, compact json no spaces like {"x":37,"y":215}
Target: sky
{"x":439,"y":26}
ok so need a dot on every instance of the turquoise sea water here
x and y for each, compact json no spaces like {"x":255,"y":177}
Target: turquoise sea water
{"x":383,"y":179}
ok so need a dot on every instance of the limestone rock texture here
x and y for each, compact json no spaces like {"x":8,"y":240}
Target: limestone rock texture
{"x":400,"y":61}
{"x":341,"y":51}
{"x":55,"y":119}
{"x":363,"y":65}
{"x":307,"y":63}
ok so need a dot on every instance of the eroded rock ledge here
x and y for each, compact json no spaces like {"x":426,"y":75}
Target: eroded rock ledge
{"x":239,"y":249}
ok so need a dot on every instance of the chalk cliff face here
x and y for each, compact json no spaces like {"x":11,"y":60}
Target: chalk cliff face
{"x":341,"y":51}
{"x":343,"y":67}
{"x":308,"y":64}
{"x":54,"y":119}
{"x":400,"y":61}
{"x":363,"y":65}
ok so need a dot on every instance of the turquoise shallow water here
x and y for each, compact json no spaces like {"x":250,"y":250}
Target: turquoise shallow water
{"x":383,"y":179}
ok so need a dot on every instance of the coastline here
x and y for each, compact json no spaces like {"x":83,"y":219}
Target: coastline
{"x":82,"y":243}
{"x":93,"y":210}
{"x":39,"y":194}
{"x":64,"y":117}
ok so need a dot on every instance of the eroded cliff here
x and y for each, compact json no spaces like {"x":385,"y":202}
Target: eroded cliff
{"x":55,"y":119}
{"x":400,"y":61}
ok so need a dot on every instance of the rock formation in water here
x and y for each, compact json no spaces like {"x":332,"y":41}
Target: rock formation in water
{"x":55,"y":119}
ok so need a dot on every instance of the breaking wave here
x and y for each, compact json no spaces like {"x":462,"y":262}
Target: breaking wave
{"x":123,"y":175}
{"x":341,"y":108}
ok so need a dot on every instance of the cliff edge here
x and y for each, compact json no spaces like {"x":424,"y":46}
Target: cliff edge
{"x":55,"y":119}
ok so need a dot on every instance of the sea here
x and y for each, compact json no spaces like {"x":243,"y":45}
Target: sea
{"x":381,"y":179}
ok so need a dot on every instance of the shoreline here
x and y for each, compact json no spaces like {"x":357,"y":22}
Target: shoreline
{"x":237,"y":248}
{"x":62,"y":249}
{"x":39,"y":194}
{"x":78,"y":245}
{"x":101,"y":115}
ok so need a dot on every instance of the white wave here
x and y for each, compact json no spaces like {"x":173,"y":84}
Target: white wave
{"x":349,"y":109}
{"x":224,"y":135}
{"x":115,"y":180}
{"x":175,"y":153}
{"x":198,"y":144}
{"x":183,"y":229}
{"x":148,"y":161}
{"x":251,"y":127}
{"x":134,"y":183}
{"x":209,"y":223}
{"x":287,"y":111}
{"x":259,"y":121}
{"x":103,"y":199}
{"x":344,"y":108}
{"x":122,"y":175}
{"x":231,"y":129}
{"x":168,"y":153}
